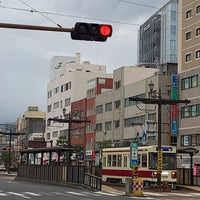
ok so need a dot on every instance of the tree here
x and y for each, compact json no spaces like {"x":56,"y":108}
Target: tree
{"x":62,"y":141}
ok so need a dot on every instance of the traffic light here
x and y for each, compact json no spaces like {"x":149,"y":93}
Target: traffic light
{"x":91,"y":32}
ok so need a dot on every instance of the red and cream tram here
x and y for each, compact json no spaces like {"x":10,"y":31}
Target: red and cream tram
{"x":116,"y":164}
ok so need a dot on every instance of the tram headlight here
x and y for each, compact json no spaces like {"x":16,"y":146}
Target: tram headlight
{"x":173,"y":174}
{"x":154,"y":174}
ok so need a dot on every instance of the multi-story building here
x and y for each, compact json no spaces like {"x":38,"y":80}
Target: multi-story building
{"x":157,"y":37}
{"x":68,"y":83}
{"x":119,"y":120}
{"x":32,"y":125}
{"x":84,"y":133}
{"x":189,"y":78}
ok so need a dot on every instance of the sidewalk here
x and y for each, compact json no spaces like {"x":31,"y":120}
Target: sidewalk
{"x":113,"y":190}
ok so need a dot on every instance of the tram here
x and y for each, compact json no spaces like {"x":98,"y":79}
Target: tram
{"x":116,"y":164}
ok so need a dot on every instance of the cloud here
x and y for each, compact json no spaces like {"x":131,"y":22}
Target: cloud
{"x":25,"y":54}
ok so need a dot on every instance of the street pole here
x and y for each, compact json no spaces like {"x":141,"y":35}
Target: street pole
{"x":159,"y":168}
{"x":158,"y":100}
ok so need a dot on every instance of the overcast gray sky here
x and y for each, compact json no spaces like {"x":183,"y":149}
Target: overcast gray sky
{"x":25,"y":54}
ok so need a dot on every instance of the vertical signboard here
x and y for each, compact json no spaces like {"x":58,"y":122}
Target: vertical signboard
{"x":174,"y":108}
{"x":133,"y":154}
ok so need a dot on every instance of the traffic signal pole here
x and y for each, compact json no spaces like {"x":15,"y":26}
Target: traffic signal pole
{"x":32,"y":27}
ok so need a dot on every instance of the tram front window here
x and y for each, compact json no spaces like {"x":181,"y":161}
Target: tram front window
{"x":169,"y":161}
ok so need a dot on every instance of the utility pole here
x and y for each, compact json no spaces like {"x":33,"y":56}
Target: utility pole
{"x":159,"y":101}
{"x":69,"y":120}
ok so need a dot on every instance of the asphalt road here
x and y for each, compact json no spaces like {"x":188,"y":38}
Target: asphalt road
{"x":11,"y":189}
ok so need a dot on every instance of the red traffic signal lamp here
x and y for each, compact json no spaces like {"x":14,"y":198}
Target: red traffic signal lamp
{"x":91,"y":32}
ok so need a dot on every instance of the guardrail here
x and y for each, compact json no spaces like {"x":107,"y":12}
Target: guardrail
{"x":59,"y":174}
{"x":93,"y":181}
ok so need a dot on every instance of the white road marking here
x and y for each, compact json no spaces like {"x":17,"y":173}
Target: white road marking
{"x":33,"y":194}
{"x":18,"y":194}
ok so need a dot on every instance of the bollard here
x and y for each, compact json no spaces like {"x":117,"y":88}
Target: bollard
{"x":138,"y":187}
{"x":128,"y":186}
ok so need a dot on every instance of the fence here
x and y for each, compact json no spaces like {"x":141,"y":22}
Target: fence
{"x":60,"y":174}
{"x":184,"y":177}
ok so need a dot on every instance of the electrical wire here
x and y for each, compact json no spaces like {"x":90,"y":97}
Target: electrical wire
{"x":34,"y":10}
{"x":66,"y":15}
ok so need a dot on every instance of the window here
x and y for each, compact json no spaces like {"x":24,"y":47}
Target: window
{"x":99,"y":109}
{"x":49,"y":108}
{"x":190,"y":111}
{"x":197,"y":31}
{"x":108,"y":125}
{"x":198,"y":9}
{"x":67,"y":102}
{"x":117,"y":123}
{"x":173,"y":15}
{"x":117,"y":104}
{"x":144,"y":160}
{"x":198,"y":54}
{"x":99,"y":127}
{"x":189,"y":82}
{"x":63,"y":133}
{"x":129,"y":102}
{"x":188,"y":57}
{"x":48,"y":136}
{"x":49,"y":95}
{"x":56,"y":105}
{"x":65,"y":86}
{"x":55,"y":134}
{"x":188,"y":14}
{"x":117,"y":84}
{"x":185,"y":140}
{"x":108,"y":107}
{"x":173,"y":30}
{"x":188,"y":35}
{"x":134,"y":120}
{"x":56,"y":90}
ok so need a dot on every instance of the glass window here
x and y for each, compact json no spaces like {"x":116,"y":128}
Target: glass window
{"x":99,"y":109}
{"x":188,"y":35}
{"x":117,"y":84}
{"x":173,"y":29}
{"x":108,"y":107}
{"x":197,"y":31}
{"x":114,"y":160}
{"x":189,"y":14}
{"x":117,"y":104}
{"x":188,"y":57}
{"x":108,"y":125}
{"x":198,"y":54}
{"x":125,"y":161}
{"x":99,"y":127}
{"x":198,"y":9}
{"x":185,"y":140}
{"x":144,"y":160}
{"x":117,"y":123}
{"x":109,"y":161}
{"x":119,"y":160}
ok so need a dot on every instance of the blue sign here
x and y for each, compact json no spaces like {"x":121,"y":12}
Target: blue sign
{"x":133,"y":154}
{"x":174,"y":127}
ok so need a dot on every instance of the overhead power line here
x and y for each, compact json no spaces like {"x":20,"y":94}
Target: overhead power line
{"x":33,"y":9}
{"x":71,"y":16}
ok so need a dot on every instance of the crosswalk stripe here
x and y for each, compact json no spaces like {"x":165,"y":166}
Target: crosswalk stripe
{"x":76,"y":193}
{"x":2,"y":194}
{"x":108,"y":194}
{"x":18,"y":194}
{"x":32,"y":194}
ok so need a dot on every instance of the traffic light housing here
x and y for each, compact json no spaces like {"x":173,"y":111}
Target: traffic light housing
{"x":91,"y":32}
